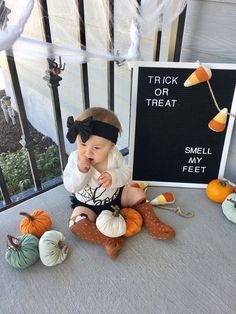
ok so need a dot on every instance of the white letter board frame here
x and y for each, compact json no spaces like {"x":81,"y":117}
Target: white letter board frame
{"x":190,"y":67}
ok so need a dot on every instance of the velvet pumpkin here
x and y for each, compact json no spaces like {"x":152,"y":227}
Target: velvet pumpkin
{"x":217,"y":190}
{"x":22,"y":251}
{"x":52,"y":248}
{"x":229,"y":207}
{"x":35,"y":223}
{"x":111,"y":224}
{"x":133,"y":221}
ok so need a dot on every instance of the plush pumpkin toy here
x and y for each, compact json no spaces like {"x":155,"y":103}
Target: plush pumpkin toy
{"x":22,"y":251}
{"x":133,"y":221}
{"x":217,"y":190}
{"x":35,"y":223}
{"x":229,"y":207}
{"x":111,"y":224}
{"x":125,"y":221}
{"x":52,"y":248}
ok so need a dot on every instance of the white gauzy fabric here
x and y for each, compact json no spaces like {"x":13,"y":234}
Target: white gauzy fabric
{"x":52,"y":249}
{"x":157,"y":14}
{"x":10,"y":34}
{"x":151,"y":17}
{"x":64,"y":21}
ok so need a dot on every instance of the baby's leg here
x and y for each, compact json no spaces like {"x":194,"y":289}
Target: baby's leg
{"x":132,"y":196}
{"x":136,"y":198}
{"x":84,"y":211}
{"x":82,"y":224}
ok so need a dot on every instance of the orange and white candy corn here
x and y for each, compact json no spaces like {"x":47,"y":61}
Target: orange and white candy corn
{"x":217,"y":124}
{"x":200,"y":75}
{"x":141,"y":185}
{"x":164,"y":198}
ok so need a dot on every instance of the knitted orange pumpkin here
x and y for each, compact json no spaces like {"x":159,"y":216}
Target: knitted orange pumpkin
{"x":133,"y":221}
{"x":35,"y":223}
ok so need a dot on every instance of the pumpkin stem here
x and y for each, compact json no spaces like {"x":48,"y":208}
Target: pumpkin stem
{"x":61,"y":244}
{"x":116,"y":212}
{"x":223,"y":182}
{"x":32,"y":218}
{"x":232,"y":201}
{"x":15,"y":246}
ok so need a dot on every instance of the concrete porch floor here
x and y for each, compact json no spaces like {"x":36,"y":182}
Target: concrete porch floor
{"x":193,"y":273}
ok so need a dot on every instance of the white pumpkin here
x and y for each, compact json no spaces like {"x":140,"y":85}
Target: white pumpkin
{"x":52,"y":248}
{"x":229,"y":207}
{"x":111,"y":224}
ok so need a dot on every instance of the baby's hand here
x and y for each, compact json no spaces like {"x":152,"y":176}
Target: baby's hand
{"x":83,"y":164}
{"x":105,"y":180}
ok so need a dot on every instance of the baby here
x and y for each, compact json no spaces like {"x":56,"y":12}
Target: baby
{"x":97,"y":175}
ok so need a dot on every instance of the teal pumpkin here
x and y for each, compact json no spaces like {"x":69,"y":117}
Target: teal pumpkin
{"x":229,"y":207}
{"x":52,"y":248}
{"x":22,"y":251}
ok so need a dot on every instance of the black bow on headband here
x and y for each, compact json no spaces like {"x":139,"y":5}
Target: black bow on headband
{"x":83,"y":128}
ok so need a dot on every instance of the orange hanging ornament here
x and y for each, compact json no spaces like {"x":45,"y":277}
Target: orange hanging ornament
{"x":218,"y":123}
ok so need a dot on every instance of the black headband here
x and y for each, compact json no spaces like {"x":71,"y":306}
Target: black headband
{"x":88,"y":127}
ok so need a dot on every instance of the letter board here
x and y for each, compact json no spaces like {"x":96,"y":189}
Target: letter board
{"x":170,"y":141}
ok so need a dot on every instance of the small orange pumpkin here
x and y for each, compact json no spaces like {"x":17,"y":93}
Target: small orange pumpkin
{"x":133,"y":221}
{"x":217,"y":190}
{"x":35,"y":223}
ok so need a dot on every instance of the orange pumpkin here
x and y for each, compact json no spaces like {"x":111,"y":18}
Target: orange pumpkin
{"x":35,"y":223}
{"x":217,"y":190}
{"x":133,"y":221}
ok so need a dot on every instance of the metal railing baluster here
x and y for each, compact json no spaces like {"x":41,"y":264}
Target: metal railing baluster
{"x":110,"y":64}
{"x":83,"y":66}
{"x":179,"y":35}
{"x":53,"y":84}
{"x":23,"y":121}
{"x":157,"y":46}
{"x":4,"y":190}
{"x":176,"y":37}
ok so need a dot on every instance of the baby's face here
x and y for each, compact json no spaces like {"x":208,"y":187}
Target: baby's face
{"x":96,"y":149}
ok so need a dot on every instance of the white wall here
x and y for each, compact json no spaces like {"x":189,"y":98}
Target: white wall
{"x":210,"y":36}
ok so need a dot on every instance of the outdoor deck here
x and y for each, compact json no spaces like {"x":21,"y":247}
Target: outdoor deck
{"x":194,"y":273}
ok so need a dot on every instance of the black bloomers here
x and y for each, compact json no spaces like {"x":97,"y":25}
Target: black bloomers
{"x":97,"y":209}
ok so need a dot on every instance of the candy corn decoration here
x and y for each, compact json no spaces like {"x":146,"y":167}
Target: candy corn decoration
{"x":200,"y":75}
{"x":217,"y":124}
{"x":164,"y":198}
{"x":141,"y":185}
